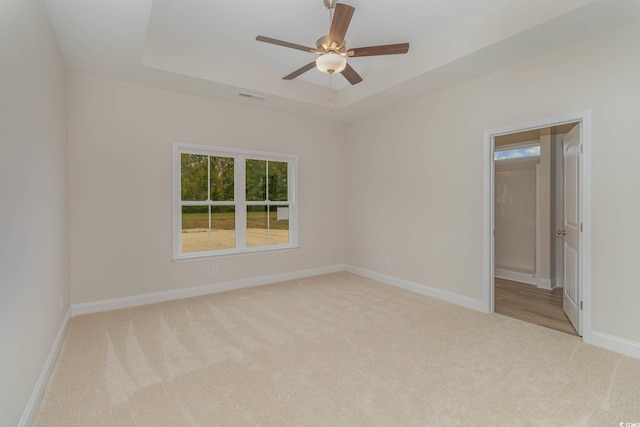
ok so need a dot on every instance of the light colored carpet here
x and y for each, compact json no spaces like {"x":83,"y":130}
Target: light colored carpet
{"x":334,"y":350}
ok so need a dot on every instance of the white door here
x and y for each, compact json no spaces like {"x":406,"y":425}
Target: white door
{"x":571,"y":228}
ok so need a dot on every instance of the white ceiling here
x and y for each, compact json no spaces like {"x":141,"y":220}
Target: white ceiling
{"x":208,"y":47}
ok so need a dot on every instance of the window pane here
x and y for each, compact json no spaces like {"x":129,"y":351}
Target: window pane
{"x":256,"y":176}
{"x":221,"y":178}
{"x":278,"y":181}
{"x":193,"y":182}
{"x":517,"y":153}
{"x":223,"y":227}
{"x":278,"y":225}
{"x":195,"y":228}
{"x":257,"y":226}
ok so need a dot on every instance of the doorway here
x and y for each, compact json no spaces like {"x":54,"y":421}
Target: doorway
{"x":539,"y":244}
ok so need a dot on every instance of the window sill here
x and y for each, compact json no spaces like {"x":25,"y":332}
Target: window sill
{"x":257,"y":251}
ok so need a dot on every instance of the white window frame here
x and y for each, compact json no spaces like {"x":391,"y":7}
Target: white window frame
{"x":239,"y":199}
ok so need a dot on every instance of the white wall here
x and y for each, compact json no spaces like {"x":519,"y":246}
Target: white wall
{"x":120,"y":148}
{"x":34,"y":252}
{"x":415,"y":173}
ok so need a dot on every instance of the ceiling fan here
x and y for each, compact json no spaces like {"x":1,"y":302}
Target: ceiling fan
{"x":332,"y":49}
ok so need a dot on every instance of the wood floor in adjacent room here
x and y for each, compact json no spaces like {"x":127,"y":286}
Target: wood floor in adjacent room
{"x":532,"y":304}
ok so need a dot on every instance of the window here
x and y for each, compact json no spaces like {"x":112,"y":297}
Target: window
{"x":229,"y":201}
{"x":516,"y":153}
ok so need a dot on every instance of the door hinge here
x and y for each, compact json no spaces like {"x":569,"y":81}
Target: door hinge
{"x":580,"y":305}
{"x":581,"y":149}
{"x":581,"y":227}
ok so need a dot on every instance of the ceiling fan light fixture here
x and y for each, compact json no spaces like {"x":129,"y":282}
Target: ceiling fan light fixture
{"x":331,"y":63}
{"x":332,"y":49}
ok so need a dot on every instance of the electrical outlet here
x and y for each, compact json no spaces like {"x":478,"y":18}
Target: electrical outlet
{"x":376,"y":260}
{"x":214,"y":269}
{"x":387,"y":261}
{"x":61,"y":303}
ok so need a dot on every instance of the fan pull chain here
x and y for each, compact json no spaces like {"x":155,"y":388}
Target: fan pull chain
{"x":330,"y":98}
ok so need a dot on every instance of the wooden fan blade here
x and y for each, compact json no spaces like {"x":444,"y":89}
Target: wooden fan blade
{"x":387,"y":49}
{"x":285,"y":44}
{"x":299,"y":71}
{"x":341,"y":18}
{"x":351,"y":75}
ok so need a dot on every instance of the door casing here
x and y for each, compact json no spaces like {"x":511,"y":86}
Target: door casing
{"x":584,"y":119}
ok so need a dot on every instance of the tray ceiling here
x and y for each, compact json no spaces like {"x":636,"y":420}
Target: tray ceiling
{"x":209,"y":47}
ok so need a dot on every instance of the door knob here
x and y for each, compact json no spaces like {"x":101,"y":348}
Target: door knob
{"x":562,"y":233}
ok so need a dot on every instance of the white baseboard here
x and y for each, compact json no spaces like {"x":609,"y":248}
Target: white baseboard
{"x":545,"y":284}
{"x":175,"y":294}
{"x":619,"y":345}
{"x":530,"y":279}
{"x":609,"y":342}
{"x":38,"y":390}
{"x":516,"y":276}
{"x":419,"y":288}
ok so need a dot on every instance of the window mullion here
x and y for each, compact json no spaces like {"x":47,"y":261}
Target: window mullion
{"x":209,"y":231}
{"x":292,"y":191}
{"x":266,"y":178}
{"x":241,"y":206}
{"x":266,"y":198}
{"x":194,"y":203}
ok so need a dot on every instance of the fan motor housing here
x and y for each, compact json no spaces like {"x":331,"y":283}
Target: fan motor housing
{"x":330,"y":4}
{"x":322,"y":46}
